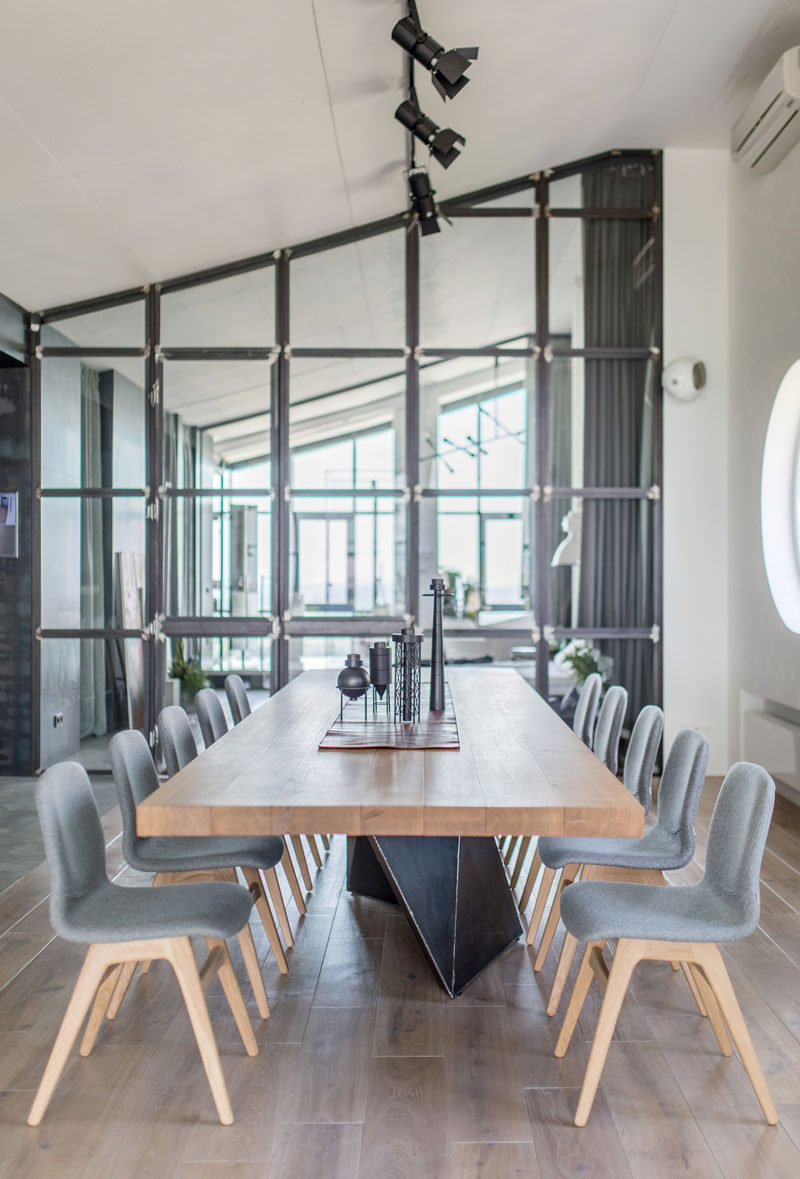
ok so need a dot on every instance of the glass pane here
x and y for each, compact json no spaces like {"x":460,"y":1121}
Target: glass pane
{"x":93,"y":422}
{"x":603,"y":421}
{"x":513,"y":200}
{"x":216,"y":416}
{"x":347,"y":555}
{"x":482,"y":547}
{"x":216,"y":657}
{"x":602,"y":283}
{"x":116,"y":327}
{"x":602,"y":565}
{"x":477,"y":283}
{"x":90,"y":689}
{"x":236,"y":312}
{"x":623,"y":184}
{"x":217,"y":553}
{"x":352,"y":296}
{"x":93,"y":562}
{"x":474,"y":421}
{"x":328,"y":653}
{"x":347,"y":423}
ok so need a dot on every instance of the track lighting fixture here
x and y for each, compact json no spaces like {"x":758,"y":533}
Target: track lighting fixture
{"x":447,"y":67}
{"x":422,"y":202}
{"x":442,"y":142}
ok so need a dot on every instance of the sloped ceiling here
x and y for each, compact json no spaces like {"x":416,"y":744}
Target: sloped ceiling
{"x":140,"y":141}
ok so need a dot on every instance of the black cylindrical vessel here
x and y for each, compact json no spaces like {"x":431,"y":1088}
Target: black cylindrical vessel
{"x":437,"y":647}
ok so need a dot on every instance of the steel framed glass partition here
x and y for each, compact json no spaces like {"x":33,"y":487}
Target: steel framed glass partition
{"x":275,"y":457}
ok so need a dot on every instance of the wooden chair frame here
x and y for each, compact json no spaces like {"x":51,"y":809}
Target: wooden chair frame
{"x":704,"y":965}
{"x":99,"y":979}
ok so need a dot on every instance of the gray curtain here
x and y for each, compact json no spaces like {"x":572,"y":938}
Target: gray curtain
{"x":619,"y":309}
{"x":561,"y":452}
{"x":93,"y":675}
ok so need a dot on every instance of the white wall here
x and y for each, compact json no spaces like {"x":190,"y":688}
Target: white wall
{"x":765,"y":341}
{"x":696,"y":611}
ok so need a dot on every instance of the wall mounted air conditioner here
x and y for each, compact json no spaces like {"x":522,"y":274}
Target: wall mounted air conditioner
{"x":770,"y":127}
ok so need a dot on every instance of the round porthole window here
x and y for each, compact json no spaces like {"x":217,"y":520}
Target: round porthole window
{"x":780,"y":500}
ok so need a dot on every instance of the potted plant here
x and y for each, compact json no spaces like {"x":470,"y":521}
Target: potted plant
{"x":188,"y":673}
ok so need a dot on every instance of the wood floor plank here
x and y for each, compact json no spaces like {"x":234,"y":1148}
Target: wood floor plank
{"x":563,"y":1150}
{"x":349,"y":973}
{"x":330,"y":1081}
{"x":484,"y":991}
{"x":404,"y":1126}
{"x":493,"y":1160}
{"x":410,"y":1014}
{"x":17,"y":950}
{"x":361,"y":917}
{"x":222,"y":1171}
{"x":485,"y":1102}
{"x":535,"y":1035}
{"x":316,"y":1152}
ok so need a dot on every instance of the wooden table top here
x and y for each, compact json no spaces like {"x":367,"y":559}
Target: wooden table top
{"x":519,"y":770}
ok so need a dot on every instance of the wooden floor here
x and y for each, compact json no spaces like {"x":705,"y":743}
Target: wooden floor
{"x":367,"y":1071}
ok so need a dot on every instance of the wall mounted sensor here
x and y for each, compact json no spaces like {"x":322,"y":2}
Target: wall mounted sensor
{"x":684,"y":378}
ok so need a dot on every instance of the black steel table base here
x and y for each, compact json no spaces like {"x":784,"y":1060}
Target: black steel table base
{"x":453,"y":890}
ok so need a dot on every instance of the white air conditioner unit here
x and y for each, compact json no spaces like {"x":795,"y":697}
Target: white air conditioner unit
{"x":770,"y":127}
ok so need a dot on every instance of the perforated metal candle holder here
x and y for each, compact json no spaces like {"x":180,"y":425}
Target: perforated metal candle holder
{"x":407,"y":673}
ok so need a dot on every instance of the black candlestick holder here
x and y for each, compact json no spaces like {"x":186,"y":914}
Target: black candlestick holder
{"x":407,"y":673}
{"x":352,"y":682}
{"x":380,"y":674}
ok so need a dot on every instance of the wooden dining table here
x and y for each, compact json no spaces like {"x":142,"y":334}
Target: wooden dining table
{"x":421,"y":823}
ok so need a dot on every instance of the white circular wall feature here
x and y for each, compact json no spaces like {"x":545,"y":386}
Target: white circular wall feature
{"x":780,"y":502}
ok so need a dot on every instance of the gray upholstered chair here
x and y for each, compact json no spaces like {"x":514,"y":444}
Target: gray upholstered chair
{"x":179,"y":748}
{"x":608,"y":730}
{"x":665,"y":847}
{"x":177,"y":858}
{"x":678,"y":924}
{"x":213,"y":724}
{"x":124,"y":925}
{"x":586,"y":710}
{"x":240,"y":708}
{"x":238,"y":699}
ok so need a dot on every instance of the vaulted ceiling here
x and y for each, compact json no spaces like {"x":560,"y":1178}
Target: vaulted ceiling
{"x":140,"y":141}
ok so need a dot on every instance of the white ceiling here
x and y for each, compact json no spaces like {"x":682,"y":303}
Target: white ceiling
{"x":140,"y":141}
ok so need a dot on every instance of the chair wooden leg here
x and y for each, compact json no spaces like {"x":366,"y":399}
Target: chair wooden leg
{"x":311,"y":840}
{"x":91,"y":974}
{"x":533,"y":872}
{"x":291,"y":876}
{"x":251,"y":965}
{"x":692,"y":980}
{"x":568,"y":948}
{"x":144,"y":967}
{"x":521,"y":854}
{"x":126,"y":974}
{"x":234,"y":996}
{"x":254,"y":883}
{"x":273,"y":884}
{"x":548,"y":875}
{"x":578,"y":997}
{"x":512,"y":843}
{"x":183,"y":963}
{"x":99,"y":1008}
{"x":326,"y":843}
{"x":627,"y":954}
{"x":301,"y":862}
{"x":567,"y":876}
{"x":709,"y":1000}
{"x":713,"y":966}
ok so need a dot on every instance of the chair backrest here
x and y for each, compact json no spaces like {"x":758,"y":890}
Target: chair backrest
{"x":640,"y":756}
{"x":736,"y":839}
{"x":135,"y":778}
{"x":73,"y":839}
{"x":212,"y":719}
{"x":237,"y":697}
{"x":679,"y":790}
{"x":177,"y":739}
{"x":609,"y":726}
{"x":586,"y":709}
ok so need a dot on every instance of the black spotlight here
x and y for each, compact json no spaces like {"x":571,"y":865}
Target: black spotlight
{"x":442,"y":143}
{"x":447,"y":67}
{"x":422,"y":194}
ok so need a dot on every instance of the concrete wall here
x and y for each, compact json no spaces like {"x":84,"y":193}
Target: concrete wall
{"x":765,"y":341}
{"x":696,"y":583}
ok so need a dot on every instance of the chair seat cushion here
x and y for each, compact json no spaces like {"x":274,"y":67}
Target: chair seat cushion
{"x":593,"y":910}
{"x":116,"y":914}
{"x":655,"y":849}
{"x":164,"y":853}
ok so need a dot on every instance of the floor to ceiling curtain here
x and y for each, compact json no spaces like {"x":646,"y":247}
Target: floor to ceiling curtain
{"x":93,"y":722}
{"x":619,"y":309}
